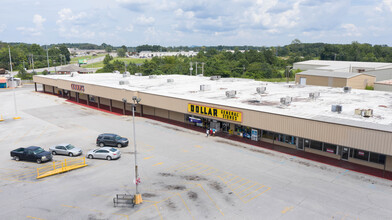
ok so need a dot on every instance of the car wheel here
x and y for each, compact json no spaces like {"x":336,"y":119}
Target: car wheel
{"x":70,"y":154}
{"x":108,"y":158}
{"x":39,"y":161}
{"x":54,"y":152}
{"x":90,"y":156}
{"x":16,"y":158}
{"x":119,"y":145}
{"x":101,"y":144}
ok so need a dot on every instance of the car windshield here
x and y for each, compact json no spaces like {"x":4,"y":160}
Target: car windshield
{"x":38,"y":150}
{"x":69,"y":147}
{"x":117,"y":137}
{"x":113,"y":150}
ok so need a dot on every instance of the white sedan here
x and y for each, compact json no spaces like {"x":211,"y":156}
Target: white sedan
{"x":107,"y":153}
{"x":65,"y":149}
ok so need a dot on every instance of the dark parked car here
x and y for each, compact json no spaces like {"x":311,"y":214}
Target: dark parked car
{"x":31,"y":153}
{"x":112,"y":140}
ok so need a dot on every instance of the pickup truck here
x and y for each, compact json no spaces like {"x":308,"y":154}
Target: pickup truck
{"x":31,"y":153}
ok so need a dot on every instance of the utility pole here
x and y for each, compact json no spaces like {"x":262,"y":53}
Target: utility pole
{"x":47,"y":56}
{"x":138,"y":197}
{"x":14,"y":83}
{"x":202,"y":68}
{"x":196,"y":68}
{"x":190,"y":70}
{"x":32,"y":60}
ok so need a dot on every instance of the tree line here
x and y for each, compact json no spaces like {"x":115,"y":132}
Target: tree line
{"x":29,"y":56}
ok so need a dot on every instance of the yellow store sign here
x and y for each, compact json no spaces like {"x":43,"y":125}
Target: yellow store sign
{"x":215,"y":112}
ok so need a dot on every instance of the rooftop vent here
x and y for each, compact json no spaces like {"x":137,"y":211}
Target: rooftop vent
{"x":215,"y":77}
{"x":123,"y":82}
{"x":364,"y":112}
{"x":170,"y":80}
{"x":347,"y":89}
{"x":337,"y":108}
{"x":286,"y":100}
{"x":261,"y":90}
{"x":138,"y":74}
{"x":205,"y":87}
{"x":152,"y":76}
{"x":126,"y":74}
{"x":231,"y":93}
{"x":314,"y":95}
{"x":73,"y":74}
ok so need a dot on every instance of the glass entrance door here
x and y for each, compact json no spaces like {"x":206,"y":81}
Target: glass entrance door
{"x":300,"y":144}
{"x":345,"y":153}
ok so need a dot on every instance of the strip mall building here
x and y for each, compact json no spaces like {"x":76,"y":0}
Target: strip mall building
{"x":345,"y":125}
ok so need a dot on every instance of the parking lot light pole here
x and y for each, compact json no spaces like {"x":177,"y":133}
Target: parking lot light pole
{"x":138,"y":197}
{"x":14,"y":84}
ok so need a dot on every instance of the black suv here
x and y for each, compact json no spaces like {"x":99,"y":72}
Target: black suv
{"x":112,"y":140}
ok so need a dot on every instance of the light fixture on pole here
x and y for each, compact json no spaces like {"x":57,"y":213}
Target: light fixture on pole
{"x":13,"y":84}
{"x":138,"y":197}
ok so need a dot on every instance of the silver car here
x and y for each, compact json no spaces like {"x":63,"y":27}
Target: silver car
{"x":107,"y":153}
{"x":65,"y":149}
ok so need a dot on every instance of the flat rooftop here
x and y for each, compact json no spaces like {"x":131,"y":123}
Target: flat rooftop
{"x":188,"y":87}
{"x":343,"y":66}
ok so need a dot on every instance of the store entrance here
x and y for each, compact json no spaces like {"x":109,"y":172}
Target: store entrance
{"x":345,"y":153}
{"x":300,"y":144}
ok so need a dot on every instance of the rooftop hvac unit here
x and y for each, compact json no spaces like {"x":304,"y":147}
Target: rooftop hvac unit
{"x":215,"y":77}
{"x":126,"y":74}
{"x":152,"y":76}
{"x":205,"y":87}
{"x":231,"y":93}
{"x":314,"y":95}
{"x":368,"y":113}
{"x":337,"y":108}
{"x":346,"y":89}
{"x":261,"y":90}
{"x":138,"y":74}
{"x":286,"y":100}
{"x":123,"y":82}
{"x":73,"y":74}
{"x":170,"y":80}
{"x":364,"y":112}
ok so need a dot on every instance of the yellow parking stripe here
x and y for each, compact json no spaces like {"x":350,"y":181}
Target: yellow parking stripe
{"x":146,"y":158}
{"x":242,"y":184}
{"x":287,"y":209}
{"x":157,"y":164}
{"x":34,"y":218}
{"x":198,"y":146}
{"x":253,"y":191}
{"x":183,"y":201}
{"x":216,"y":205}
{"x":258,"y":195}
{"x":248,"y":188}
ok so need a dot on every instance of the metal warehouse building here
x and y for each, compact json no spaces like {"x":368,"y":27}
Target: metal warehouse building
{"x":345,"y":125}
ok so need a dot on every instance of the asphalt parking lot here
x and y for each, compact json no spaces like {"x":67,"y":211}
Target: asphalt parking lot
{"x":184,"y":174}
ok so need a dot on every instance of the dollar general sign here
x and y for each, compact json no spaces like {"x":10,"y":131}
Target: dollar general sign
{"x":215,"y":112}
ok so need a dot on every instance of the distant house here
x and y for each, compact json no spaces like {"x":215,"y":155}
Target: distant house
{"x":72,"y":68}
{"x":335,"y":79}
{"x":3,"y":71}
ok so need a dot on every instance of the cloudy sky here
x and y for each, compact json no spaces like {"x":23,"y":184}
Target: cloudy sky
{"x":201,"y":22}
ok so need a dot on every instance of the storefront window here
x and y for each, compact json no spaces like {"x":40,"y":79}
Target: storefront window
{"x":316,"y":145}
{"x":330,"y":148}
{"x":377,"y":158}
{"x":268,"y":134}
{"x":361,"y":154}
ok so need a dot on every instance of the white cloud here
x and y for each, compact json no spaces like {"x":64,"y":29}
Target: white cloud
{"x":2,"y":27}
{"x":129,"y":28}
{"x":388,"y":4}
{"x":38,"y":21}
{"x":71,"y":24}
{"x":351,"y":30}
{"x":145,"y":20}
